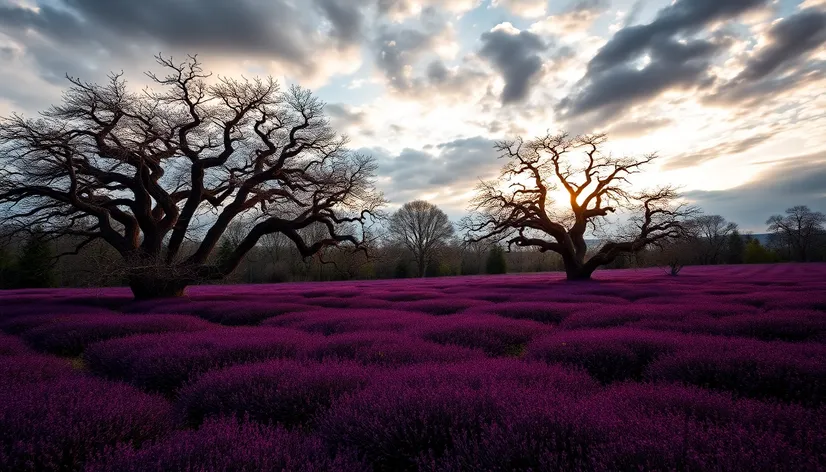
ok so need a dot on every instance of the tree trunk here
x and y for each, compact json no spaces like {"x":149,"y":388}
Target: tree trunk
{"x":579,"y":273}
{"x":148,"y":287}
{"x":576,"y":269}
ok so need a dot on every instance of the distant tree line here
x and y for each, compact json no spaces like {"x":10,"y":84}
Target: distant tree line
{"x":796,"y":236}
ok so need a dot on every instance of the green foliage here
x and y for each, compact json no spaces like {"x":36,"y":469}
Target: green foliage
{"x":735,"y":248}
{"x":755,"y":253}
{"x":496,"y":263}
{"x":34,"y":268}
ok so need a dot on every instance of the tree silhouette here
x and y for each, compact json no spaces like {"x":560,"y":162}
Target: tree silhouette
{"x":735,"y":248}
{"x":518,"y":207}
{"x":147,"y":172}
{"x":799,"y":230}
{"x":423,"y":229}
{"x":496,"y":263}
{"x":713,"y":232}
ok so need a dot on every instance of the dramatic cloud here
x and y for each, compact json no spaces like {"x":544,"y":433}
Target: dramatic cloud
{"x":280,"y":30}
{"x":426,"y":86}
{"x":515,"y":55}
{"x":782,"y":63}
{"x":640,"y":62}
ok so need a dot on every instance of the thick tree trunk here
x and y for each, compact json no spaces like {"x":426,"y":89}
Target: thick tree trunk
{"x":148,"y":287}
{"x":579,"y":273}
{"x":577,"y":269}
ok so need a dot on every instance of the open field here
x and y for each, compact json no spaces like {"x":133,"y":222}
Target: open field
{"x":721,"y":368}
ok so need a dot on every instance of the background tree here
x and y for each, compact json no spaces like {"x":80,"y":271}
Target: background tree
{"x":496,"y":263}
{"x":799,"y":231}
{"x":421,"y":228}
{"x":712,"y":235}
{"x":160,"y":175}
{"x":35,"y":265}
{"x":519,"y":209}
{"x":735,"y":248}
{"x":756,"y":253}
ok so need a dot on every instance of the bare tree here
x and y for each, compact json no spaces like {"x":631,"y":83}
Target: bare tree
{"x":712,"y":233}
{"x":148,"y":171}
{"x":423,"y":229}
{"x":799,"y":230}
{"x":519,"y":209}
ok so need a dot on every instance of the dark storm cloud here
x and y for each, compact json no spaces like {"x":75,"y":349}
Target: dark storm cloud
{"x":790,"y":39}
{"x":614,"y":82}
{"x":672,"y":65}
{"x":783,"y":64}
{"x":516,"y":58}
{"x":682,"y":16}
{"x":279,"y":29}
{"x":796,"y":181}
{"x":273,"y":28}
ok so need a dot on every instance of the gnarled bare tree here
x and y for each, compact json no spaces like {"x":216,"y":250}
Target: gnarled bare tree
{"x":173,"y":166}
{"x":519,"y":208}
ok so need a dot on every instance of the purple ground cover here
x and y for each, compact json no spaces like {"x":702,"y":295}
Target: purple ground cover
{"x":62,"y":424}
{"x":720,"y":368}
{"x":70,"y":336}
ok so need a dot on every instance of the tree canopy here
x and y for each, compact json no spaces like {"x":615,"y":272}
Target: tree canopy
{"x":519,"y":208}
{"x":180,"y":161}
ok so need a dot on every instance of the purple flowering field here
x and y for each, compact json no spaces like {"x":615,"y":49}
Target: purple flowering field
{"x":720,"y":368}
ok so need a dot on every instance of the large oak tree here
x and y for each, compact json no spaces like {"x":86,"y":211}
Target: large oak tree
{"x":153,"y":173}
{"x":519,"y":208}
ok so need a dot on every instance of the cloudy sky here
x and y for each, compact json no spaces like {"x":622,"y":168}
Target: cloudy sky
{"x":731,"y":93}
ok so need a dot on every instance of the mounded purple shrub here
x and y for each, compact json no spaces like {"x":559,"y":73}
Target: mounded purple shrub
{"x":228,"y":445}
{"x":347,"y":320}
{"x":69,"y":337}
{"x":33,"y":368}
{"x":441,"y":306}
{"x":607,"y":354}
{"x":750,"y":368}
{"x":609,"y":316}
{"x":63,"y":423}
{"x":641,"y":427}
{"x":781,"y":325}
{"x":494,"y":335}
{"x":238,"y":312}
{"x":278,"y":391}
{"x":12,"y":345}
{"x":41,"y":306}
{"x":546,"y":312}
{"x":407,"y":417}
{"x":20,"y":324}
{"x":388,"y":349}
{"x":330,"y":302}
{"x":164,"y":362}
{"x":405,"y":294}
